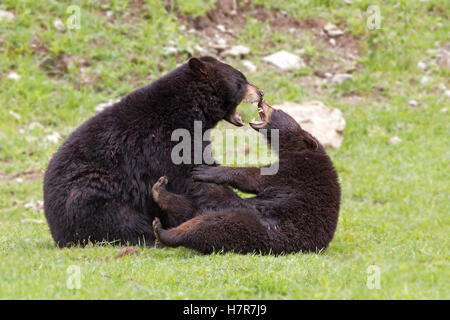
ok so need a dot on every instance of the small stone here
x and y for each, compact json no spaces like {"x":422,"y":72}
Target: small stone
{"x":25,"y":221}
{"x":221,"y":28}
{"x":249,"y":66}
{"x":6,"y":15}
{"x":13,"y":76}
{"x":444,"y":110}
{"x":102,"y":106}
{"x":421,"y":65}
{"x":15,"y":115}
{"x":325,"y":123}
{"x":447,"y":93}
{"x":443,"y":58}
{"x":394,"y":140}
{"x":332,"y":42}
{"x":442,"y":86}
{"x":182,"y":27}
{"x":332,"y":30}
{"x":340,"y":78}
{"x":53,"y":138}
{"x":237,"y":51}
{"x":200,"y":50}
{"x":109,"y":13}
{"x":220,"y":44}
{"x":285,"y":61}
{"x":169,"y":51}
{"x":413,"y":103}
{"x":59,"y":24}
{"x":424,"y":80}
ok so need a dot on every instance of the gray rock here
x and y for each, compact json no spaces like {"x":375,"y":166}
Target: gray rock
{"x":250,"y":66}
{"x":103,"y":106}
{"x":443,"y":56}
{"x":324,"y":123}
{"x":200,"y":50}
{"x":169,"y":51}
{"x":6,"y":15}
{"x":332,"y":30}
{"x":422,"y":66}
{"x":13,"y":75}
{"x":220,"y":44}
{"x":341,"y":78}
{"x":285,"y":61}
{"x":413,"y":103}
{"x":237,"y":51}
{"x":221,"y":28}
{"x":59,"y":25}
{"x":394,"y":140}
{"x":424,"y":80}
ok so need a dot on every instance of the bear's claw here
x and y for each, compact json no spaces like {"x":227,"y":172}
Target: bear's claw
{"x":157,"y":187}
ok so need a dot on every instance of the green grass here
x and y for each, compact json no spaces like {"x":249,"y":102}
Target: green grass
{"x":395,"y":205}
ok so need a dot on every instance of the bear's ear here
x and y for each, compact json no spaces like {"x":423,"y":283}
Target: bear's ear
{"x":310,"y":141}
{"x":198,"y":66}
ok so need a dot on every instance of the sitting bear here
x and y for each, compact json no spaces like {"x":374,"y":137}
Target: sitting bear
{"x":294,"y":210}
{"x":97,"y":186}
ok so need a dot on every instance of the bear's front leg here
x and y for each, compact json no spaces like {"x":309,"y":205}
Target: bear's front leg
{"x":177,"y":207}
{"x":245,"y":179}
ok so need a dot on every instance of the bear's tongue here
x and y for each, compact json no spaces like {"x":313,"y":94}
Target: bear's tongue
{"x":261,"y":113}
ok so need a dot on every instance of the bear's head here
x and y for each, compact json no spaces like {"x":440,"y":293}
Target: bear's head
{"x":224,"y":88}
{"x":290,"y":133}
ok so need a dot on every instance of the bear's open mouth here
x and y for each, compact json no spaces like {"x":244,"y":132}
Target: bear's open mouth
{"x":252,"y":95}
{"x":264,"y":111}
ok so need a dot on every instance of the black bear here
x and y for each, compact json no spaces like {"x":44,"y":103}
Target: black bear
{"x":97,"y":186}
{"x":294,"y":210}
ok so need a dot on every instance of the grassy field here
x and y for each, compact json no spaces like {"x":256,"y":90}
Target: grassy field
{"x":395,"y":201}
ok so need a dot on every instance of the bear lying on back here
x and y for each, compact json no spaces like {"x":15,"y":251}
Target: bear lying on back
{"x":294,"y":210}
{"x":97,"y":187}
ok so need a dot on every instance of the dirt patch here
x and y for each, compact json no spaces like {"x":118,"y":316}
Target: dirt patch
{"x":59,"y":65}
{"x":28,"y":174}
{"x":54,"y":66}
{"x":220,"y":27}
{"x":232,"y":16}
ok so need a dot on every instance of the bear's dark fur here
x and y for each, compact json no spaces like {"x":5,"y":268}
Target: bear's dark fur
{"x":294,"y":210}
{"x":97,"y":187}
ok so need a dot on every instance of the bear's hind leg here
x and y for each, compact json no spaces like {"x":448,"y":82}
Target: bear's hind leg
{"x":178,"y":208}
{"x":228,"y":231}
{"x":94,"y":217}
